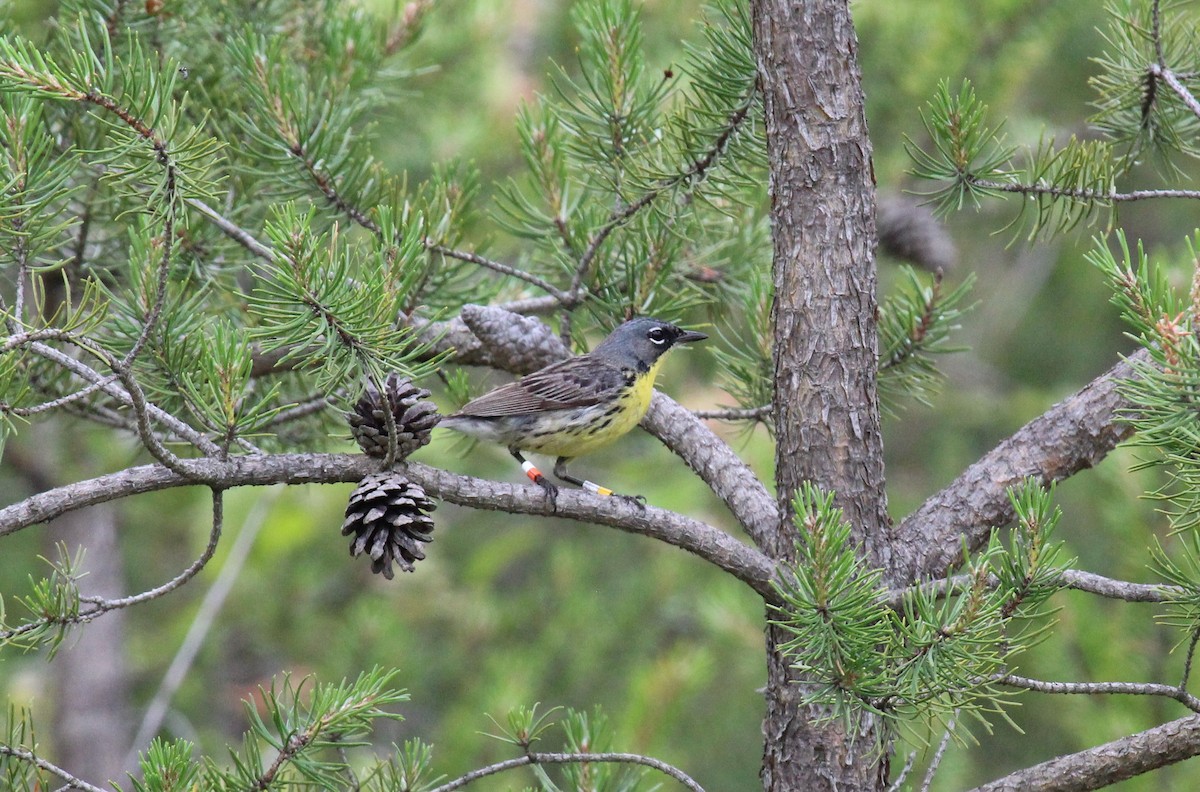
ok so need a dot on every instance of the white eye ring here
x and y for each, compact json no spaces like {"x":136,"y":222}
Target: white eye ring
{"x":657,"y":336}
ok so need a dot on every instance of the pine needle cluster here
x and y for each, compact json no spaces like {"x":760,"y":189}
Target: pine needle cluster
{"x":1145,"y":111}
{"x":1164,"y":394}
{"x":918,"y":656}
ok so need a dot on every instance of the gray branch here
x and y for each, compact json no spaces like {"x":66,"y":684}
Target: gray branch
{"x":1103,"y":688}
{"x":698,"y":538}
{"x":29,"y":757}
{"x":1072,"y":435}
{"x":1075,"y":579}
{"x":1110,"y":763}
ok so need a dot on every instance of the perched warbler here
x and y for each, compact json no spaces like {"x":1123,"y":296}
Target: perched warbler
{"x":577,"y":405}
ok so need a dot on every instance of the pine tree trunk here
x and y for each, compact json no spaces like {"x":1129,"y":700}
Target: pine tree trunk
{"x":824,"y":314}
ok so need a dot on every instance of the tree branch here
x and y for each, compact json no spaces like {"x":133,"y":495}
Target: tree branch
{"x":29,"y":757}
{"x":80,"y":369}
{"x":1075,"y":579}
{"x":1078,"y":194}
{"x":698,"y":538}
{"x":734,"y":413}
{"x":538,"y":758}
{"x":233,"y":231}
{"x":1172,"y":80}
{"x":1103,"y":688}
{"x":1072,"y":435}
{"x":715,"y":463}
{"x":1107,"y":764}
{"x":1112,"y":588}
{"x":101,"y":605}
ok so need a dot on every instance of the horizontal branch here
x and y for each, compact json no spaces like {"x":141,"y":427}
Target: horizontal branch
{"x":698,"y":538}
{"x":1112,"y":588}
{"x":1072,"y":435}
{"x":735,"y":413}
{"x":1074,"y":579}
{"x":1103,"y":688}
{"x":1108,"y":196}
{"x":1110,"y":763}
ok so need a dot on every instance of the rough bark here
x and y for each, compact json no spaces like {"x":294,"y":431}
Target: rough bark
{"x":826,"y":408}
{"x":1073,"y":435}
{"x":1110,"y":763}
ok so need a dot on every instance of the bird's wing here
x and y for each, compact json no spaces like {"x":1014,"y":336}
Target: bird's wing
{"x":576,"y":382}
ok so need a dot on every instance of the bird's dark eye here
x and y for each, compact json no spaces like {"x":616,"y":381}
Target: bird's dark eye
{"x":657,"y":336}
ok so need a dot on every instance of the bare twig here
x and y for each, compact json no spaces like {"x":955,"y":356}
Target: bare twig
{"x":62,"y":401}
{"x":571,"y":758}
{"x":1103,"y":688}
{"x":29,"y":757}
{"x":310,"y":406}
{"x":734,"y":413}
{"x":234,"y":231}
{"x":1080,"y":194}
{"x":80,"y":369}
{"x":141,"y":412}
{"x":1118,"y":589}
{"x":936,"y":762}
{"x":561,"y":297}
{"x":902,"y":776}
{"x":131,"y":395}
{"x":100,"y":605}
{"x":1075,"y":579}
{"x":1172,"y":80}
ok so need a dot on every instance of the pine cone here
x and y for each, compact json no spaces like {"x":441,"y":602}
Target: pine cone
{"x":414,"y":413}
{"x":388,"y":516}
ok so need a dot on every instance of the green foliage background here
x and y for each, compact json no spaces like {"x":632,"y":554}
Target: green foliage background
{"x":509,"y":611}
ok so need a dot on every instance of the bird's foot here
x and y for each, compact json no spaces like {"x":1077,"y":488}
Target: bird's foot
{"x":549,"y":488}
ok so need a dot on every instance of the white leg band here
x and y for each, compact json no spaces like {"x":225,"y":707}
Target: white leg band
{"x":592,"y":486}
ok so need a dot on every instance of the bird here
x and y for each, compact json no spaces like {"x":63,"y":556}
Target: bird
{"x":577,"y":405}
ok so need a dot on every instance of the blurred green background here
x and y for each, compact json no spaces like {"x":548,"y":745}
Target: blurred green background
{"x":513,"y":610}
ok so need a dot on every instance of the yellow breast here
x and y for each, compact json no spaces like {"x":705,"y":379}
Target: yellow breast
{"x":583,"y":431}
{"x":643,"y":389}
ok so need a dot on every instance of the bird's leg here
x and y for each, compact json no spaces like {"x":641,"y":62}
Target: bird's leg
{"x":536,"y":476}
{"x":560,"y":470}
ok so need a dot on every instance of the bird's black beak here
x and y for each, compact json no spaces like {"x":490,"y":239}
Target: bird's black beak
{"x":688,"y":336}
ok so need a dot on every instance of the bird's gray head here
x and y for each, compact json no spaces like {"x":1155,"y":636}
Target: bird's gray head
{"x":639,"y":343}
